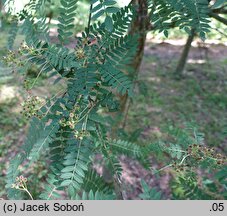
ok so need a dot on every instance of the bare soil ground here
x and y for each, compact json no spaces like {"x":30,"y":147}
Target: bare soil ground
{"x":194,"y":98}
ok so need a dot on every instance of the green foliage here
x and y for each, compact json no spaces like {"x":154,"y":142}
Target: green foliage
{"x":221,"y":177}
{"x":95,"y":182}
{"x":12,"y":34}
{"x":73,"y":126}
{"x":66,"y":19}
{"x":189,"y":154}
{"x":186,"y":186}
{"x":75,"y":164}
{"x":94,"y":196}
{"x":50,"y":189}
{"x":126,"y":148}
{"x":149,"y":194}
{"x":218,"y":4}
{"x":107,"y":8}
{"x":39,"y":136}
{"x":185,"y":14}
{"x":12,"y":173}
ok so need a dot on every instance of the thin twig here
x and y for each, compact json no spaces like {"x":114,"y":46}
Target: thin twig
{"x":165,"y":167}
{"x":184,"y":158}
{"x":89,"y":20}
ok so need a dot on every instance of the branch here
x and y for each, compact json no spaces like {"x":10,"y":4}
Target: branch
{"x":219,"y":18}
{"x":220,"y":11}
{"x":222,"y":33}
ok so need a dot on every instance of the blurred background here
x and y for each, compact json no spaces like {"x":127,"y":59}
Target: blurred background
{"x":161,"y":103}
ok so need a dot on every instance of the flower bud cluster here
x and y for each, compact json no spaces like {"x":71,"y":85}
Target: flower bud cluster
{"x":197,"y":154}
{"x":24,"y":48}
{"x":80,"y":54}
{"x":200,"y":153}
{"x":73,"y":118}
{"x":20,"y":183}
{"x":31,"y":107}
{"x":27,"y":84}
{"x":10,"y":58}
{"x":71,"y":121}
{"x":13,"y":57}
{"x":80,"y":134}
{"x":179,"y":167}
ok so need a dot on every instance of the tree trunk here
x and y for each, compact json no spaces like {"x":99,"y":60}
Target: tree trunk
{"x":184,"y":56}
{"x":139,"y":26}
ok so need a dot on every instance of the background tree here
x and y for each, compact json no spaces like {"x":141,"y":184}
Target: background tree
{"x":218,"y":7}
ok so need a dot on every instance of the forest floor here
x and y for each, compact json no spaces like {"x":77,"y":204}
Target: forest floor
{"x":199,"y":97}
